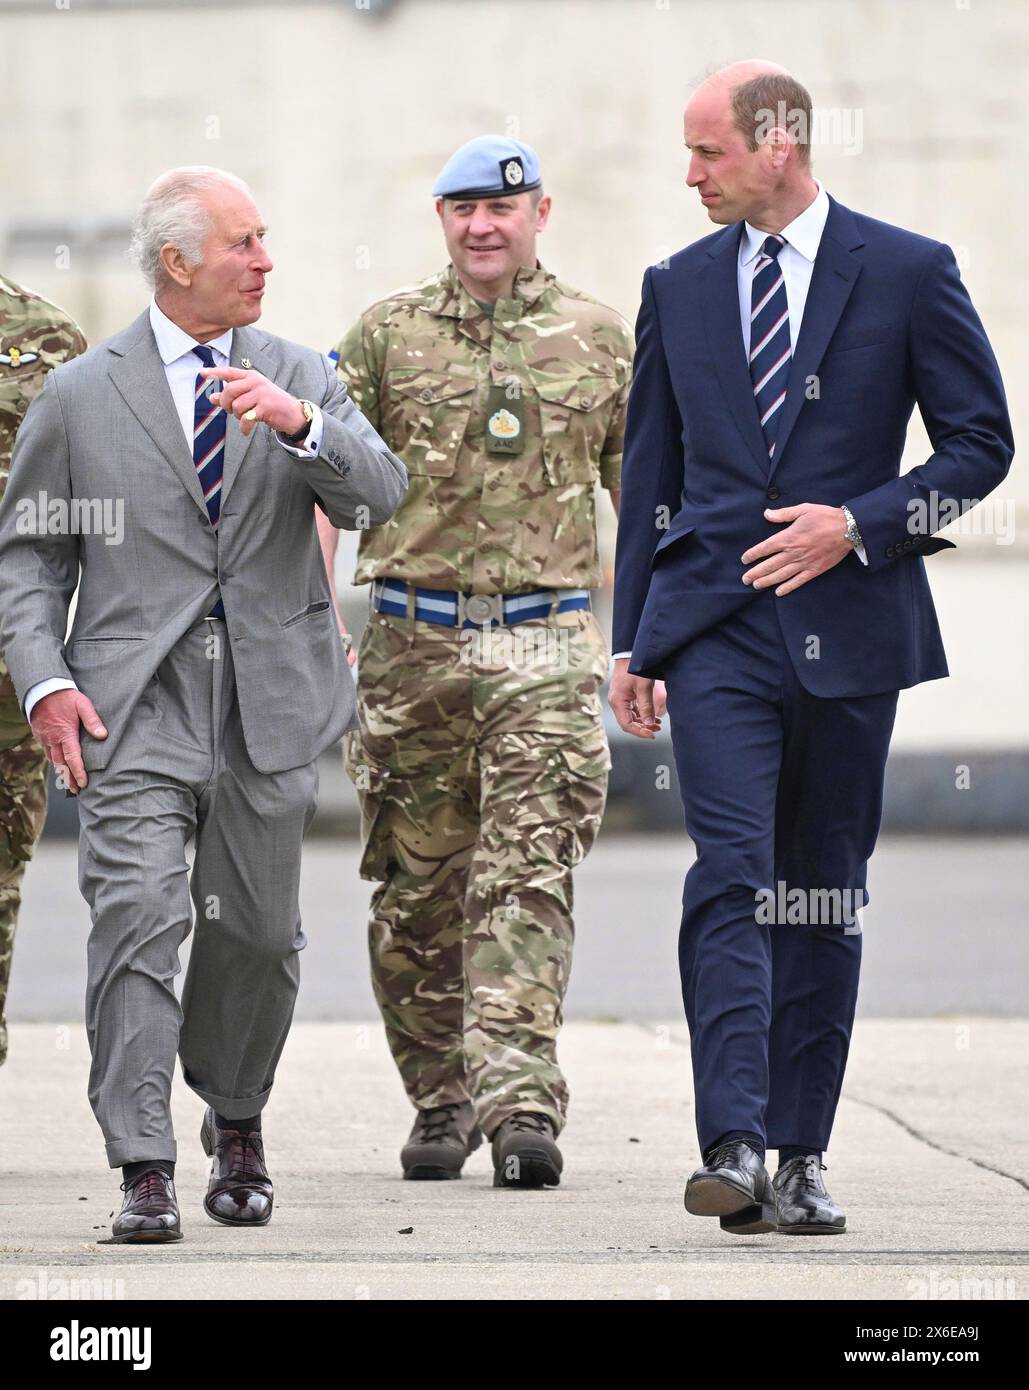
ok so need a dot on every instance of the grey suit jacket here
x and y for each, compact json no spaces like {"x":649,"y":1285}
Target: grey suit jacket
{"x":104,"y":433}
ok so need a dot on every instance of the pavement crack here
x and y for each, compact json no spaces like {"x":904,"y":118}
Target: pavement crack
{"x":897,"y":1120}
{"x":932,"y":1143}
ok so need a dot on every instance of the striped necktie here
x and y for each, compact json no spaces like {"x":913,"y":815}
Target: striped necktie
{"x":209,"y":446}
{"x":770,"y":348}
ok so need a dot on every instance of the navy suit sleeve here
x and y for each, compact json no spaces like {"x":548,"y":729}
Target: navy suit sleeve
{"x":960,"y":396}
{"x":652,"y":471}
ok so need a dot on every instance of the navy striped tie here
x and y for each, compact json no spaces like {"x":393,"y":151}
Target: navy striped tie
{"x":209,"y":446}
{"x":770,"y":348}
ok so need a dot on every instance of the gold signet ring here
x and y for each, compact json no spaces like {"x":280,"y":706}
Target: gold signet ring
{"x":251,"y":415}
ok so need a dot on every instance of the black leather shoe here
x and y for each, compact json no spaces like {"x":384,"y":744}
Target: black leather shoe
{"x":803,"y":1206}
{"x":441,"y":1139}
{"x":239,"y":1192}
{"x":524,"y":1152}
{"x":733,"y":1185}
{"x":149,"y":1213}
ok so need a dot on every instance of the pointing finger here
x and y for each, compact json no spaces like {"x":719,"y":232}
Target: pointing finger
{"x":224,"y":373}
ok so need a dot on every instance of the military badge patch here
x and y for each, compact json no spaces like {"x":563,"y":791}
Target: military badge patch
{"x":14,"y":357}
{"x":503,"y":424}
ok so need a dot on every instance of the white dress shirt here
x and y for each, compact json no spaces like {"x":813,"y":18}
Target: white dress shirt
{"x":181,"y":366}
{"x":797,"y":258}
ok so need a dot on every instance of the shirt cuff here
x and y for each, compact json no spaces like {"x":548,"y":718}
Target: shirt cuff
{"x":311,"y":447}
{"x":47,"y":687}
{"x":617,"y":656}
{"x":859,"y":550}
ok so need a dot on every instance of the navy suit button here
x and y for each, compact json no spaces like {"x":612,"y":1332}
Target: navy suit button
{"x":889,"y":552}
{"x":773,"y":494}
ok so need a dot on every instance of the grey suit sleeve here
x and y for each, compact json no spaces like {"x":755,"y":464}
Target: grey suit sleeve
{"x":39,"y":554}
{"x":359,"y":482}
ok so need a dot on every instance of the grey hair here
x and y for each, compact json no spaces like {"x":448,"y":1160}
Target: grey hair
{"x":174,"y":211}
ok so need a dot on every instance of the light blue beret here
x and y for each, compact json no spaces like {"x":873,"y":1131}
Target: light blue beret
{"x":489,"y":166}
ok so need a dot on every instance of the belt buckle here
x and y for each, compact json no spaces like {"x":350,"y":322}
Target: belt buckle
{"x":480,"y":609}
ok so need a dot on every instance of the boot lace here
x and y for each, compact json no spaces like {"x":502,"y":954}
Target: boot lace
{"x":530,"y":1122}
{"x":434,"y":1123}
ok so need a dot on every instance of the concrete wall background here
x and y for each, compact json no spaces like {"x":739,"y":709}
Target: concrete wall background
{"x":340,"y":117}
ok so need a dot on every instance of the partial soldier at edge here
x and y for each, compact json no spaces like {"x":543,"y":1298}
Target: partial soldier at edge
{"x":35,"y":336}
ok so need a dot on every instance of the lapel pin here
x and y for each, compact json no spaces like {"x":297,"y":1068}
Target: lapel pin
{"x":245,"y":362}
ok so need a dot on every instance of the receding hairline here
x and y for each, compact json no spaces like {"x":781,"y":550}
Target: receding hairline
{"x":733,"y":75}
{"x":192,"y":178}
{"x":757,"y":92}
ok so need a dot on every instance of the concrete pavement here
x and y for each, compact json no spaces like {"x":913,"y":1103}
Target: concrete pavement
{"x":944,"y":932}
{"x":929,"y":1159}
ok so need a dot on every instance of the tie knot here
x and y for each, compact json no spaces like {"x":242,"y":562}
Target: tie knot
{"x":772,"y":246}
{"x":207,"y":356}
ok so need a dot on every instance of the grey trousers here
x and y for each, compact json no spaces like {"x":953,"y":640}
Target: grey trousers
{"x":181,"y":772}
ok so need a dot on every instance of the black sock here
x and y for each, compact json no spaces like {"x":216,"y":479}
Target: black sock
{"x":790,"y":1151}
{"x":754,"y":1140}
{"x":132,"y":1171}
{"x":250,"y":1126}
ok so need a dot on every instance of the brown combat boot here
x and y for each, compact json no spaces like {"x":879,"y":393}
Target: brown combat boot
{"x":442,"y":1138}
{"x":524,"y":1152}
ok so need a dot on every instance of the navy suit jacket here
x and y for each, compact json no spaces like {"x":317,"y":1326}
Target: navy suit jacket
{"x":887,"y":325}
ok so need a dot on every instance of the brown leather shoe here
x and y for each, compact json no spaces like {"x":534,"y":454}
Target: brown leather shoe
{"x":149,"y":1213}
{"x":239,"y":1192}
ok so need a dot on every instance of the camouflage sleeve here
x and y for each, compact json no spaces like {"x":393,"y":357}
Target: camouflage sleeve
{"x":611,"y":456}
{"x":77,"y":344}
{"x":359,"y":368}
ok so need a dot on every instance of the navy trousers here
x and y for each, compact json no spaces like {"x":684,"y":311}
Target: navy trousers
{"x":782,"y":792}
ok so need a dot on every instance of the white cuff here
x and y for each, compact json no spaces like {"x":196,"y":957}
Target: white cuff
{"x":617,"y":656}
{"x":47,"y":687}
{"x":311,"y":447}
{"x":860,"y":551}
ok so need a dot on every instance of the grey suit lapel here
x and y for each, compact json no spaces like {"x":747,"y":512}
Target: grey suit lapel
{"x":138,"y":374}
{"x":254,"y":347}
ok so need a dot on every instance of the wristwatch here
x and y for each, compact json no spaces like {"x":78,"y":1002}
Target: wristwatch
{"x":301,"y":434}
{"x":852,"y":533}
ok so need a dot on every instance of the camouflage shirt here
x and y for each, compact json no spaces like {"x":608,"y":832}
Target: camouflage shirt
{"x":425,"y":364}
{"x":34,"y":336}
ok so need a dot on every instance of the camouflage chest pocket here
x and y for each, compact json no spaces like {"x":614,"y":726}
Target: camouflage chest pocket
{"x":575,"y":412}
{"x":425,"y":416}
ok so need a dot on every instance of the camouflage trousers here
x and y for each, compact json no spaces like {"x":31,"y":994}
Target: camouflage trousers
{"x":22,"y":812}
{"x":481,"y":767}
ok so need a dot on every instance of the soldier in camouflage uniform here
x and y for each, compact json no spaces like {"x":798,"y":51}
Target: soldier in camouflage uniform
{"x":481,"y":761}
{"x":34,"y":336}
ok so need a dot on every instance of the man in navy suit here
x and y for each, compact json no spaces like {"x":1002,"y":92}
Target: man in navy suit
{"x":769,"y":571}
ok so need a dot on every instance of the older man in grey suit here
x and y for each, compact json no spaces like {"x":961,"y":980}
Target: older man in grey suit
{"x":179,"y":464}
